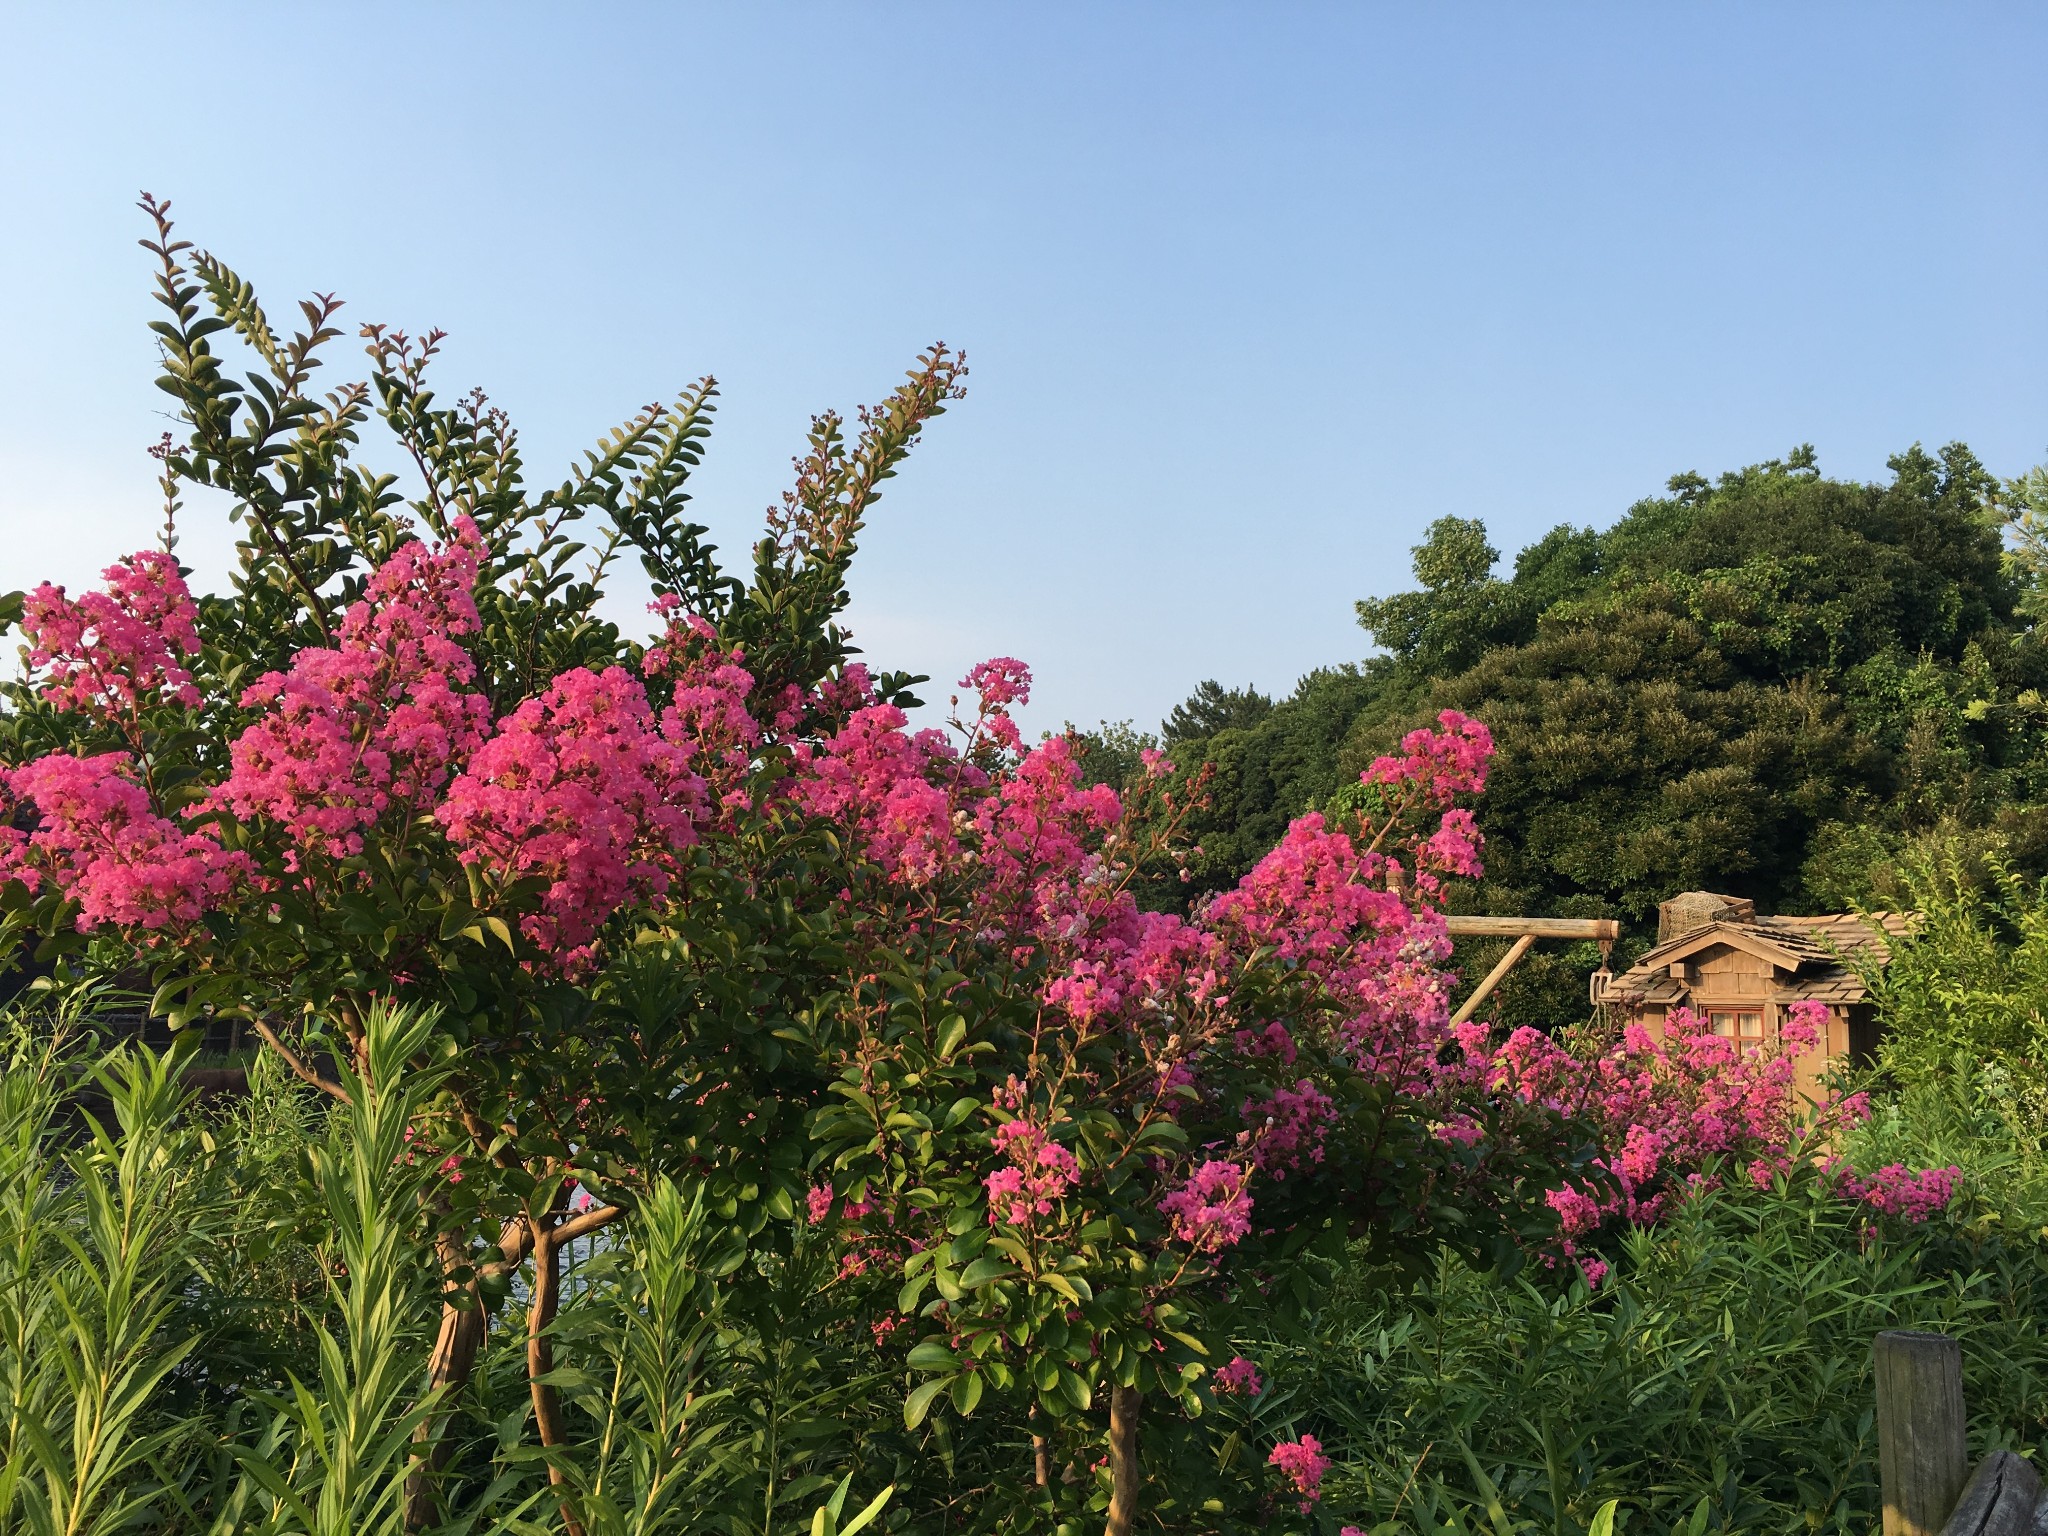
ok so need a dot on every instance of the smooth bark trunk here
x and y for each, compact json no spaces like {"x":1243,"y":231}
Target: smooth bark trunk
{"x":461,"y":1335}
{"x":1124,"y":1403}
{"x":540,"y":1360}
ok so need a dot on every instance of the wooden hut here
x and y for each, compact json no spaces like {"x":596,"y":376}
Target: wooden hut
{"x":1717,"y":957}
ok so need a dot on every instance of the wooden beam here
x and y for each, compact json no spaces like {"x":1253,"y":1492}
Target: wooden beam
{"x":1605,"y":928}
{"x":1507,"y":963}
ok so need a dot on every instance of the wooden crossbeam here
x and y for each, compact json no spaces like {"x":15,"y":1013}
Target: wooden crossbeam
{"x":1605,"y":928}
{"x":1525,"y":931}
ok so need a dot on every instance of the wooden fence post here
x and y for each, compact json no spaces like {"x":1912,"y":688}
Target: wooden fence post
{"x":1999,"y":1500}
{"x":1922,"y":1442}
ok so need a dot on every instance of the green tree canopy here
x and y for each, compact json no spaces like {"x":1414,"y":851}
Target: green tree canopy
{"x":1764,"y":684}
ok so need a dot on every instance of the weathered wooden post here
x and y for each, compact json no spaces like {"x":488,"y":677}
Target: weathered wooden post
{"x":1999,"y":1500}
{"x":1923,"y":1453}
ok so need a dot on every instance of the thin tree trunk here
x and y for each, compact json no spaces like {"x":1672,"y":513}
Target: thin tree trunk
{"x":1124,"y":1403}
{"x":463,"y":1320}
{"x":1041,"y":1455}
{"x":540,"y":1359}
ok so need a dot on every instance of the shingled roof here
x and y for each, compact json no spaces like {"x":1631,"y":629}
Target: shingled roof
{"x":1813,"y":958}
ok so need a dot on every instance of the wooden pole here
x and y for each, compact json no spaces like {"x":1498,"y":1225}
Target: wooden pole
{"x":1605,"y":929}
{"x":1507,"y":963}
{"x":1922,"y":1441}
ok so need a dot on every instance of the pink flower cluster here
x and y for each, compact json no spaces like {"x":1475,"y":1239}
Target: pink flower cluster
{"x":114,"y":651}
{"x":1039,"y":1171}
{"x":1317,"y":903}
{"x":1001,"y":681}
{"x":1897,"y":1191}
{"x":1303,"y":1463}
{"x":1240,"y":1378}
{"x":1212,"y":1211}
{"x":99,"y":842}
{"x":1439,"y":764}
{"x":376,"y":724}
{"x":581,"y":790}
{"x":1296,"y":1122}
{"x":878,"y":779}
{"x":1664,"y":1107}
{"x":1033,"y":856}
{"x":710,"y":707}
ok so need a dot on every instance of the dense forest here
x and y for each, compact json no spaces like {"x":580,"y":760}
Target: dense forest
{"x":1776,"y":684}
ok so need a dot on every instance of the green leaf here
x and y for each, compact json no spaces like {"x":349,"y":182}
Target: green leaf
{"x":987,"y":1268}
{"x":966,"y":1391}
{"x":919,"y":1403}
{"x":1075,"y":1390}
{"x":932,"y":1355}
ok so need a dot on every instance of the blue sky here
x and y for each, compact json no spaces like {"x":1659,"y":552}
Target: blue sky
{"x":1250,"y":293}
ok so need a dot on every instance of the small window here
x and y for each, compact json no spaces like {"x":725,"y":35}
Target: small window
{"x":1739,"y":1024}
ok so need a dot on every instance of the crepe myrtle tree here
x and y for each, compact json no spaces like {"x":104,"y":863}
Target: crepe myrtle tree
{"x":1077,"y":1142}
{"x":405,"y":758}
{"x":709,"y":909}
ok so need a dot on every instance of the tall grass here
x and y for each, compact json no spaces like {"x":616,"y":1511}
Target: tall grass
{"x":216,"y":1318}
{"x":1719,"y":1381}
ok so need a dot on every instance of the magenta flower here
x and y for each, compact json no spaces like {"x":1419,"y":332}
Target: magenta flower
{"x":100,"y":843}
{"x":1304,"y":1464}
{"x":1240,"y":1377}
{"x":578,"y":789}
{"x":375,"y":725}
{"x":109,"y":652}
{"x":1213,"y":1210}
{"x":1040,"y":1171}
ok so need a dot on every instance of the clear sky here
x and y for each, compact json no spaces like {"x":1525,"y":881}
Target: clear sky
{"x":1251,"y":293}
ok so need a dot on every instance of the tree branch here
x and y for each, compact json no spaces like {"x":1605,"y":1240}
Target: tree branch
{"x":299,"y":1067}
{"x":596,"y":1217}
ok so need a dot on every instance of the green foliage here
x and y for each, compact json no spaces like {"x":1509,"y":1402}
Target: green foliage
{"x":1212,"y":708}
{"x":133,"y":1397}
{"x":1718,"y":1381}
{"x":1109,"y":754}
{"x":1972,"y":981}
{"x":1775,"y":685}
{"x":96,"y":1243}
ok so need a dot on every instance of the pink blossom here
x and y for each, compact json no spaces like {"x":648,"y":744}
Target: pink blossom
{"x":1213,"y":1209}
{"x":1666,"y":1107}
{"x":579,"y":790}
{"x":1001,"y":681}
{"x":1039,"y":1172}
{"x":1304,"y":1464}
{"x":99,"y":842}
{"x":113,"y":651}
{"x":1240,"y":1377}
{"x":819,"y":1202}
{"x":1897,"y":1191}
{"x":375,"y":725}
{"x":1296,"y":1122}
{"x":1439,"y":763}
{"x":876,"y":779}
